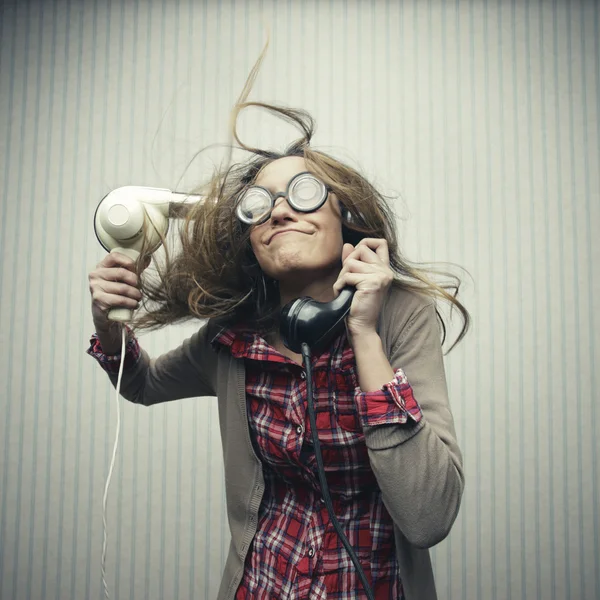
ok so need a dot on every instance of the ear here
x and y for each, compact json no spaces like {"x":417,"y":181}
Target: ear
{"x":345,"y":215}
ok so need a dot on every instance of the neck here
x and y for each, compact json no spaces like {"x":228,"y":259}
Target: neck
{"x":317,"y":286}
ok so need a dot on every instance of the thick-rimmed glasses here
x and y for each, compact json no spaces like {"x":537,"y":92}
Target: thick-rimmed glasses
{"x":305,"y":193}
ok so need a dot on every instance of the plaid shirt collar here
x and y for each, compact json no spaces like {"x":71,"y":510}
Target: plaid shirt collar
{"x":246,"y":344}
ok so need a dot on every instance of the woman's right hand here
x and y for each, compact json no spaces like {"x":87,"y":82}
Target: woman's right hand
{"x":113,"y":284}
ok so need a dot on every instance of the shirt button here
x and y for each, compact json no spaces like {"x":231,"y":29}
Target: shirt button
{"x":311,"y":552}
{"x":303,"y":375}
{"x":299,"y":429}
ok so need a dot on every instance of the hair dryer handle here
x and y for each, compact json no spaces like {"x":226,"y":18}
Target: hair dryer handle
{"x":123,"y":315}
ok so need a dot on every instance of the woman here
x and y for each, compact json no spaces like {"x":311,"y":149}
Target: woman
{"x":283,"y":226}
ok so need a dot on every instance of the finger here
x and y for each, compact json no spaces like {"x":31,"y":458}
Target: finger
{"x":360,"y":281}
{"x":116,"y":259}
{"x":379,"y":246}
{"x":107,"y":301}
{"x":365,"y":254}
{"x":337,"y":287}
{"x":346,"y":251}
{"x":120,"y":274}
{"x":354,"y":265}
{"x":121,"y":289}
{"x":339,"y":283}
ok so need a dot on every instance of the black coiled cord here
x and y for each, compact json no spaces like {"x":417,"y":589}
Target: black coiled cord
{"x":321,"y":472}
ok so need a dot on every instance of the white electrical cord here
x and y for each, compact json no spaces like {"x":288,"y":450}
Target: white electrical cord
{"x":112,"y":462}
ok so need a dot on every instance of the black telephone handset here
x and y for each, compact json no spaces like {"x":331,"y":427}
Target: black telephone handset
{"x":314,"y":323}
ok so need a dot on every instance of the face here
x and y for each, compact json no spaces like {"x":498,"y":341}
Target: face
{"x":291,"y":244}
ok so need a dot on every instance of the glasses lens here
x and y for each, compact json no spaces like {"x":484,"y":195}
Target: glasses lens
{"x":254,"y":205}
{"x":307,"y":193}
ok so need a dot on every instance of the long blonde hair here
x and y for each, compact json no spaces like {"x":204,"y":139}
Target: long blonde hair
{"x":215,"y":274}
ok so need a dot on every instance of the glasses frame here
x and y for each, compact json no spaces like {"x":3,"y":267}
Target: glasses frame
{"x":285,"y":195}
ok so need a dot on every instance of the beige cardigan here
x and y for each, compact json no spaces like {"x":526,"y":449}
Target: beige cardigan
{"x":423,"y":499}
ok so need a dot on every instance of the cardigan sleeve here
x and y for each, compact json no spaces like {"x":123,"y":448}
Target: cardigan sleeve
{"x":183,"y":372}
{"x":418,"y":464}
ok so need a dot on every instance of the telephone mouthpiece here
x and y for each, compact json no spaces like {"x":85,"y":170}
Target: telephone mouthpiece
{"x":314,"y":323}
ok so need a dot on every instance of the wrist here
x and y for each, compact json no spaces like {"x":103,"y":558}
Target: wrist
{"x":107,"y":327}
{"x":372,"y":365}
{"x":367,"y":337}
{"x":111,"y":338}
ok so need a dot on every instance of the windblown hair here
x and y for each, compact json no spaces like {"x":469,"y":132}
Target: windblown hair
{"x":215,"y":274}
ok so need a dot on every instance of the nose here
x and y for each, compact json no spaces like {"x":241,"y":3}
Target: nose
{"x":282,"y":210}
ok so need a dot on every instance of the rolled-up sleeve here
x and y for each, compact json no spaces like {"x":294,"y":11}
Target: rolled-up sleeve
{"x":111,"y":362}
{"x":394,"y":403}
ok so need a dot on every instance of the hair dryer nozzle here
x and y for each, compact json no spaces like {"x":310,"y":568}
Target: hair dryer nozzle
{"x":120,"y":216}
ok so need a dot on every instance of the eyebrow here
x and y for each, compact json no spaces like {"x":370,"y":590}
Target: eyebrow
{"x":287,"y":184}
{"x":270,"y":188}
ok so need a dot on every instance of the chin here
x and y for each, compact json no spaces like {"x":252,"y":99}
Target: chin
{"x":294,"y":261}
{"x":289,"y":259}
{"x":295,"y":272}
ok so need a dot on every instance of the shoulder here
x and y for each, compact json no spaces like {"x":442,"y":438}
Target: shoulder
{"x":201,"y":346}
{"x":401,"y":305}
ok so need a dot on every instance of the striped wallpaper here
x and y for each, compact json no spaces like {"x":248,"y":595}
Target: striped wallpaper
{"x":481,"y":118}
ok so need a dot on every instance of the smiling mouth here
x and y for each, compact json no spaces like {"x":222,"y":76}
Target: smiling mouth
{"x":284,"y":231}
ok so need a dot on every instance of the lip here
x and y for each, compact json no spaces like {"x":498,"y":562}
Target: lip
{"x":281,"y":231}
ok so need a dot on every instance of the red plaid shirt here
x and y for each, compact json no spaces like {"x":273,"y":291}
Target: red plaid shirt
{"x":296,"y":552}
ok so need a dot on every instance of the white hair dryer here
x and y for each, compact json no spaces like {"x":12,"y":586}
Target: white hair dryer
{"x":120,"y":218}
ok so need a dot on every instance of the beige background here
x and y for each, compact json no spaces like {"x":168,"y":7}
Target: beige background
{"x":482,"y":117}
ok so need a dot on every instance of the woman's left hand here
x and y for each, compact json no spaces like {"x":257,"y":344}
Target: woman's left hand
{"x":365,"y":267}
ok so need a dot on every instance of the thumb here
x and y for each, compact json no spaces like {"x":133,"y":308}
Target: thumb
{"x":346,"y":251}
